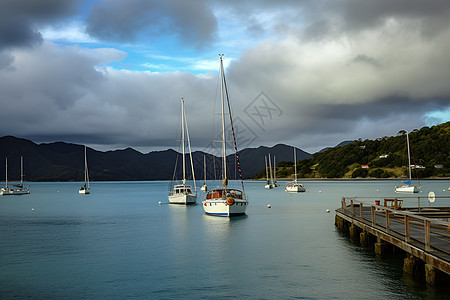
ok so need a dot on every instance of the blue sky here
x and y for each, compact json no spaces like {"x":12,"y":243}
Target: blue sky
{"x":110,"y":73}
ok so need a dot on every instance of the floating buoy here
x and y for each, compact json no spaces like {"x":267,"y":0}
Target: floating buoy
{"x":377,"y":190}
{"x":269,"y":206}
{"x":327,"y":210}
{"x":159,"y":202}
{"x":32,"y":208}
{"x":320,"y":191}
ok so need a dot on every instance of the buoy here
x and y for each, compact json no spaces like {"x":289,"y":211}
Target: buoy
{"x":268,"y":206}
{"x":377,"y":190}
{"x":320,"y":191}
{"x":32,"y":208}
{"x":159,"y":202}
{"x":328,"y":210}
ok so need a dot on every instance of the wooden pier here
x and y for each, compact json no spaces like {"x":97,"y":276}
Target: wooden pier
{"x":422,"y":233}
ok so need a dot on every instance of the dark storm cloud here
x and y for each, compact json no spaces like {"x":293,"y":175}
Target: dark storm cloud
{"x":18,"y":19}
{"x":192,"y":22}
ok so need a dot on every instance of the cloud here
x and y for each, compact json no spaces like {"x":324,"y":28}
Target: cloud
{"x":19,"y":18}
{"x":191,"y":22}
{"x":337,"y":70}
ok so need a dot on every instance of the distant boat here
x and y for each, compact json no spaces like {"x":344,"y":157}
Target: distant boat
{"x":204,"y":186}
{"x":226,"y":201}
{"x":182,"y":193}
{"x":294,"y":186}
{"x":85,"y":189}
{"x":407,"y":187}
{"x":268,"y":184}
{"x":19,"y":188}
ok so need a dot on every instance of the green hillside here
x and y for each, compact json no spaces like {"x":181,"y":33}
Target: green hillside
{"x":385,"y":157}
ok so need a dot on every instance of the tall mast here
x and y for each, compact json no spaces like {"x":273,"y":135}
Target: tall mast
{"x":267,"y":174}
{"x":409,"y":159}
{"x":295,"y":165}
{"x":6,"y":174}
{"x":270,"y":171}
{"x":182,"y":140}
{"x":224,"y":155}
{"x":190,"y":151}
{"x":21,"y":169}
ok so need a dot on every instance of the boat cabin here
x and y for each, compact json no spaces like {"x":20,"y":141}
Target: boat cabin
{"x":182,"y":189}
{"x":223,"y":194}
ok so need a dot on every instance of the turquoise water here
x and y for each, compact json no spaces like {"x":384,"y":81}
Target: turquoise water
{"x":119,"y":243}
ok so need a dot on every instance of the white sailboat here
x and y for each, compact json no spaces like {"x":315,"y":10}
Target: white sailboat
{"x":182,"y":193}
{"x":407,"y":187}
{"x":19,"y":188}
{"x":226,"y":201}
{"x":204,"y":186}
{"x":85,"y":189}
{"x":294,"y":186}
{"x":268,"y":184}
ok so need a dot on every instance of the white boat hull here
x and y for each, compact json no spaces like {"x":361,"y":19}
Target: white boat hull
{"x":8,"y":191}
{"x":407,"y":189}
{"x":219,"y":207}
{"x":268,"y":186}
{"x":84,"y":191}
{"x":295,"y":188}
{"x":183,"y":199}
{"x":204,"y":187}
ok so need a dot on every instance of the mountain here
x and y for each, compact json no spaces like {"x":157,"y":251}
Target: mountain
{"x":62,"y":161}
{"x":344,"y":143}
{"x":384,"y":157}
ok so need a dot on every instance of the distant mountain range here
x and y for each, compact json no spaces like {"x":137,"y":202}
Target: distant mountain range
{"x":62,"y":161}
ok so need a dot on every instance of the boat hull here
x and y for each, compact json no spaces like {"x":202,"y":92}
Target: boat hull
{"x":219,"y":207}
{"x":84,"y":191}
{"x":268,"y":186}
{"x":7,"y":191}
{"x":183,"y":199}
{"x":411,"y":189}
{"x":295,"y":188}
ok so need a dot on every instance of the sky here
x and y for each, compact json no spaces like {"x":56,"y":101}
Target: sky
{"x":308,"y":73}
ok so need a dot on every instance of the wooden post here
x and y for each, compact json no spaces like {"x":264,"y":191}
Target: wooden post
{"x":361,"y":210}
{"x":427,"y":235}
{"x":373,"y":215}
{"x":387,"y":221}
{"x":352,"y":208}
{"x":343,"y":203}
{"x":407,"y":237}
{"x":418,"y":203}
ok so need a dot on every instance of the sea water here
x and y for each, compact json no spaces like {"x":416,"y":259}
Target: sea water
{"x":120,"y":243}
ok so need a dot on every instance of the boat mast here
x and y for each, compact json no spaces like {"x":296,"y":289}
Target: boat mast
{"x":204,"y":166}
{"x":224,"y":155}
{"x":274,"y":170}
{"x":295,"y":165}
{"x":86,"y":175}
{"x":21,"y":169}
{"x":6,"y":174}
{"x":409,"y":158}
{"x":190,"y":151}
{"x":267,"y":174}
{"x":270,"y":171}
{"x":182,"y":140}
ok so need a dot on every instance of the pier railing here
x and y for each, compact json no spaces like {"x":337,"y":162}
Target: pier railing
{"x":388,"y":215}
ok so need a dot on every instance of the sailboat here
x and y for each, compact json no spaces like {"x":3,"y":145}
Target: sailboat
{"x":182,"y":193}
{"x":294,"y":186}
{"x":226,"y":201}
{"x":407,"y":187}
{"x":268,"y":184}
{"x":85,"y":189}
{"x":204,"y":186}
{"x":19,"y":190}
